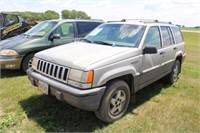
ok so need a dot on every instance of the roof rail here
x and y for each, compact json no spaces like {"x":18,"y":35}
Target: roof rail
{"x":145,"y":21}
{"x":113,"y":21}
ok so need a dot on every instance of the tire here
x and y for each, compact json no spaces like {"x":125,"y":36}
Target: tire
{"x":27,"y":61}
{"x":173,"y":75}
{"x":114,"y":102}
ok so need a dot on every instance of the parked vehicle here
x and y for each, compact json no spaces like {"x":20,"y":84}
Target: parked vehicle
{"x":114,"y":61}
{"x":17,"y":52}
{"x":12,"y":25}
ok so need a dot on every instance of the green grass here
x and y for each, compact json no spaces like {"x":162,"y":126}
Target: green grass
{"x":159,"y":108}
{"x":192,"y":29}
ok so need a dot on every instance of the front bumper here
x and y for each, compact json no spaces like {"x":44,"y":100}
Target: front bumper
{"x":10,"y":62}
{"x":88,"y":99}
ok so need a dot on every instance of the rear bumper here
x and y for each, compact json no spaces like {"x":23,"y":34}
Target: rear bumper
{"x":10,"y":62}
{"x":88,"y":99}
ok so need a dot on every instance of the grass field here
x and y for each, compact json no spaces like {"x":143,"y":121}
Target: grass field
{"x":159,"y":108}
{"x":190,"y":29}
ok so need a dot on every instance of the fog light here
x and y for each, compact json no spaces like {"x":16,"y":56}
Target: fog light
{"x":10,"y":66}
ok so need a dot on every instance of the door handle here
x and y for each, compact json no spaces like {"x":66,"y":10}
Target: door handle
{"x":162,"y":53}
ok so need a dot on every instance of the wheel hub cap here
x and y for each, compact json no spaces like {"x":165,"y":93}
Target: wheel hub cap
{"x":117,"y":102}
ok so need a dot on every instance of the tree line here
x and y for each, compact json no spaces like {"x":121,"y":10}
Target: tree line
{"x":49,"y":14}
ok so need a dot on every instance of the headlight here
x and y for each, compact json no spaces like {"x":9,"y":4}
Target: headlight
{"x":81,"y":79}
{"x":8,"y":52}
{"x":34,"y":63}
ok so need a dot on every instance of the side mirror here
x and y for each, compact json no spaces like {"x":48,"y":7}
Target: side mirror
{"x":55,"y":36}
{"x":150,"y":50}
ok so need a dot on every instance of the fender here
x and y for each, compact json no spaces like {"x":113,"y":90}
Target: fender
{"x":117,"y":72}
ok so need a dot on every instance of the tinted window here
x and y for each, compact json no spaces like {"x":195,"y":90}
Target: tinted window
{"x":65,"y":30}
{"x":10,"y":19}
{"x":85,"y":27}
{"x":153,"y":37}
{"x":166,"y":36}
{"x":177,"y":35}
{"x":1,"y":20}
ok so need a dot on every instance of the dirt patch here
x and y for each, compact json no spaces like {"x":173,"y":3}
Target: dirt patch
{"x":1,"y":112}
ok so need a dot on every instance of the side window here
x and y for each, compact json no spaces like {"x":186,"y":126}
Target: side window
{"x":1,"y":20}
{"x":153,"y":38}
{"x":85,"y":27}
{"x":10,"y":20}
{"x":65,"y":30}
{"x":177,"y":34}
{"x":166,"y":36}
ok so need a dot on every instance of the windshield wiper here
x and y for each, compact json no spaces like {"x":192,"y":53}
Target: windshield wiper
{"x":104,"y":43}
{"x":86,"y":40}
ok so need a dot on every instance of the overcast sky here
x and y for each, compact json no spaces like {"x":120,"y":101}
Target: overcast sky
{"x":183,"y":12}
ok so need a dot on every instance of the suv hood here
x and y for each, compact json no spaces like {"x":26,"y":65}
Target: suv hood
{"x":80,"y":55}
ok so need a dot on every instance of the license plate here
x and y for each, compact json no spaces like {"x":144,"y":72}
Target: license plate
{"x":43,"y":87}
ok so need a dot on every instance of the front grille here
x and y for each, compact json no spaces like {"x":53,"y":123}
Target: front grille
{"x":55,"y":71}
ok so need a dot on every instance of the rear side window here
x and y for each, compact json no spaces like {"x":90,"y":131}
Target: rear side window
{"x":177,"y":34}
{"x":85,"y":27}
{"x":166,"y":36}
{"x":153,"y":38}
{"x":1,"y":20}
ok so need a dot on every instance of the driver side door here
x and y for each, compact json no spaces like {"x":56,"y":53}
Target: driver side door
{"x":66,"y":31}
{"x":150,"y":66}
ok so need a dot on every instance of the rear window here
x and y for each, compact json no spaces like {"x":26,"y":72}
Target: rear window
{"x":177,"y":34}
{"x":85,"y":27}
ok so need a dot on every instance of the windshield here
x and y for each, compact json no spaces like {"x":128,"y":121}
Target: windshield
{"x":126,"y":35}
{"x":41,"y":29}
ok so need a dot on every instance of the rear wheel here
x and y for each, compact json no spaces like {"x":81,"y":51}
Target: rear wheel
{"x":115,"y":101}
{"x":27,"y":61}
{"x":173,"y":75}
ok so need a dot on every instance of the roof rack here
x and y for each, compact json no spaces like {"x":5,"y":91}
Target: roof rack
{"x":146,"y":21}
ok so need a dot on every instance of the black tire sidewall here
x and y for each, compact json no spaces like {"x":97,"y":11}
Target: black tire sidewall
{"x":26,"y":60}
{"x":104,"y":107}
{"x":170,"y":78}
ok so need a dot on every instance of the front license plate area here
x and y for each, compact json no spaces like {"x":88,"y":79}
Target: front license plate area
{"x":43,"y":87}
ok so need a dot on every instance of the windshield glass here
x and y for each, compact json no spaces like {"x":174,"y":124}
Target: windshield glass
{"x":126,"y":35}
{"x":41,"y":29}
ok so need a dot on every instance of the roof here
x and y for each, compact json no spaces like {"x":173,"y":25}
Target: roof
{"x":74,"y":20}
{"x":142,"y":22}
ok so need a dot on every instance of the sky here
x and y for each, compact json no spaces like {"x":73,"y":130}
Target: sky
{"x":182,"y":12}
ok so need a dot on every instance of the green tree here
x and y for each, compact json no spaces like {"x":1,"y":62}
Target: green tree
{"x":67,"y":14}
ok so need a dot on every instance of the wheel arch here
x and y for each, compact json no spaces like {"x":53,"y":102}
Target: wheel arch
{"x":33,"y":52}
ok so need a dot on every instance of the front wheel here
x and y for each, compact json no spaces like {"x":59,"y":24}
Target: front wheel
{"x":27,"y":61}
{"x":115,"y":101}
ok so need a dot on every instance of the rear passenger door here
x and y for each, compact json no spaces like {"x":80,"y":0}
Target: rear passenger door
{"x":150,"y":67}
{"x":169,"y":49}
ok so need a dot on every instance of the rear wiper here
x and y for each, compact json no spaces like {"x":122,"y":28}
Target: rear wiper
{"x":105,"y":43}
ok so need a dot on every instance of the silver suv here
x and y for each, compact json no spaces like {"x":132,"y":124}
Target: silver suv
{"x":105,"y":70}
